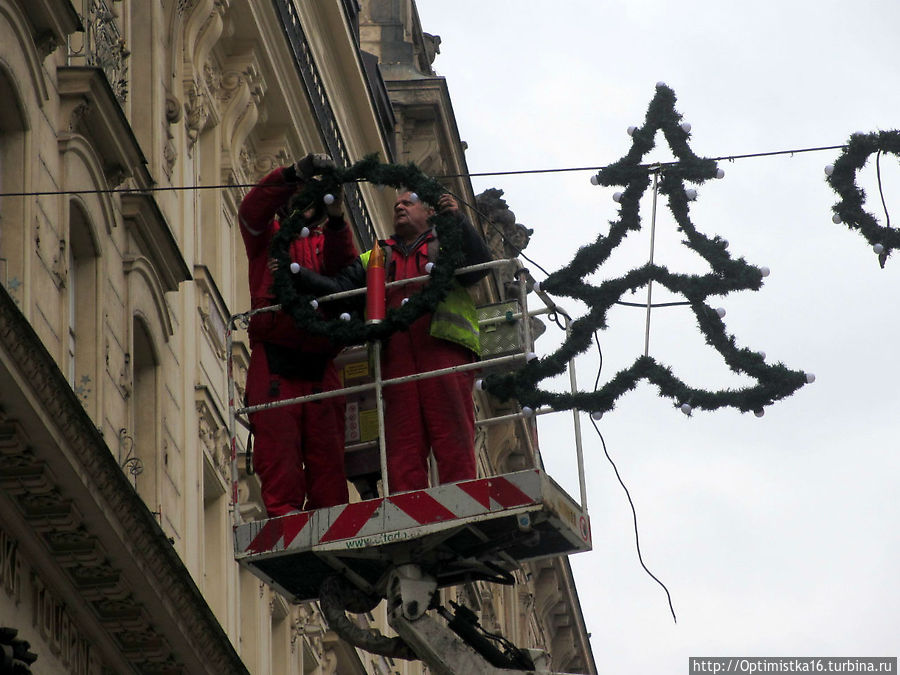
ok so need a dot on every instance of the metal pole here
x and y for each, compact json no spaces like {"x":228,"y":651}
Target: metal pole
{"x":576,"y":418}
{"x":396,"y":380}
{"x":232,"y":428}
{"x":379,"y":411}
{"x":652,"y":244}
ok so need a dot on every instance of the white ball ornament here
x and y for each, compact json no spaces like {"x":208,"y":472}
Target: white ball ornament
{"x":314,"y":303}
{"x":878,"y":248}
{"x":345,"y":316}
{"x":413,"y":197}
{"x":428,"y":267}
{"x":765,"y":271}
{"x":686,"y":408}
{"x":295,"y":268}
{"x":762,"y":355}
{"x":537,"y":286}
{"x":328,"y":199}
{"x":304,"y":232}
{"x":759,"y":413}
{"x":829,"y":169}
{"x":691,"y":194}
{"x":720,"y":173}
{"x":595,"y":180}
{"x":721,"y":312}
{"x":686,"y":127}
{"x":479,"y":384}
{"x":617,"y":196}
{"x":527,"y":411}
{"x":404,"y":301}
{"x":530,"y":356}
{"x":810,"y":378}
{"x":631,"y":130}
{"x":596,"y":415}
{"x":835,"y":218}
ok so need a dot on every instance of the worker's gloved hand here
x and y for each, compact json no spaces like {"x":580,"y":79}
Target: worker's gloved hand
{"x":335,"y":207}
{"x":312,"y":283}
{"x":312,"y":165}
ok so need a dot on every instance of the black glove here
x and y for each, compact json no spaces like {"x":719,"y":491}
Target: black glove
{"x":312,"y":165}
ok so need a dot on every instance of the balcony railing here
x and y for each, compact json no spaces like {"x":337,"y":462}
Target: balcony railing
{"x":101,"y":45}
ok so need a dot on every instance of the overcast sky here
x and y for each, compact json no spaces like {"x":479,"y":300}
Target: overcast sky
{"x":777,"y":535}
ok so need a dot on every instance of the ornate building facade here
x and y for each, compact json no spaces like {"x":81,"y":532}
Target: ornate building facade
{"x":130,"y":131}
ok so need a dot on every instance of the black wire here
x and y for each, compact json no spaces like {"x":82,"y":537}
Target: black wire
{"x":731,"y":158}
{"x":655,"y":304}
{"x":880,"y":190}
{"x":637,"y":540}
{"x":600,"y":355}
{"x":493,"y":225}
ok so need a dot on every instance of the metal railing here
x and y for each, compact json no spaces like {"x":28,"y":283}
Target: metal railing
{"x":101,"y":46}
{"x":237,"y":414}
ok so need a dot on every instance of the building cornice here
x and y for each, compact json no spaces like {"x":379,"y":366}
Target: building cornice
{"x":68,"y":488}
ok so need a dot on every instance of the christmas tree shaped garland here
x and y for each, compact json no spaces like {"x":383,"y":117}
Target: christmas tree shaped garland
{"x":774,"y":382}
{"x":842,"y":178}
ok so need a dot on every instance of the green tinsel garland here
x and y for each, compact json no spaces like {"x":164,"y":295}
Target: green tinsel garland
{"x":843,"y":180}
{"x":774,"y":381}
{"x":355,"y":330}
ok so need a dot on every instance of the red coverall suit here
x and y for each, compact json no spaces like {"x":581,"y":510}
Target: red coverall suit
{"x":434,"y":413}
{"x":299,"y":452}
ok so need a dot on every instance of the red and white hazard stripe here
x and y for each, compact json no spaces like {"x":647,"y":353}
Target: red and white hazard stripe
{"x":400,"y":513}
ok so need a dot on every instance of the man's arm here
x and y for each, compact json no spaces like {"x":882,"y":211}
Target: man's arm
{"x":350,"y":277}
{"x":475,"y":249}
{"x":339,"y":249}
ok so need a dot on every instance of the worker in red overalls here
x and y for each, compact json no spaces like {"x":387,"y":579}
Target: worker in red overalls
{"x":299,"y":453}
{"x":435,"y":414}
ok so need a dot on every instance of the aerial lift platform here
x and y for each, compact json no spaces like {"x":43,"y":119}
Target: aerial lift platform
{"x":404,"y":546}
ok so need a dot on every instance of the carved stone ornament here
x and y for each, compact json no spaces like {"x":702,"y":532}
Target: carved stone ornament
{"x":185,"y":6}
{"x":196,"y":114}
{"x":515,"y":236}
{"x":173,"y":109}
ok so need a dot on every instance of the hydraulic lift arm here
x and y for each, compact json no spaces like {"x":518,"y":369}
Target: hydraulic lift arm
{"x":453,"y":644}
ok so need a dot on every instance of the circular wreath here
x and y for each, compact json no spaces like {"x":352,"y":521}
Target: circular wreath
{"x":842,"y":178}
{"x":450,"y":257}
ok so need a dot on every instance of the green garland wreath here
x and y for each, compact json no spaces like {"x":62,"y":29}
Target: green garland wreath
{"x":450,"y":257}
{"x":842,"y":179}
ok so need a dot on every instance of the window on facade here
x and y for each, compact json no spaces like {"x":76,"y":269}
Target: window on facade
{"x":215,"y":541}
{"x":145,"y":404}
{"x":12,"y":159}
{"x":81,"y":289}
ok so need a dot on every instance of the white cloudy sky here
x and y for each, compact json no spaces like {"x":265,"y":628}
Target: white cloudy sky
{"x":778,"y":535}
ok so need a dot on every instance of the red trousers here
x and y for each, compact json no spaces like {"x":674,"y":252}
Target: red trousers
{"x":434,"y":414}
{"x":299,"y":449}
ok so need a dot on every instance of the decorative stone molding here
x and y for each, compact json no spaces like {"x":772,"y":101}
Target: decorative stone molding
{"x":239,"y":96}
{"x":185,"y":6}
{"x":52,"y":22}
{"x":197,"y":111}
{"x":173,"y":116}
{"x":153,"y":238}
{"x":88,"y":107}
{"x":51,"y":498}
{"x":269,"y":155}
{"x":212,"y":434}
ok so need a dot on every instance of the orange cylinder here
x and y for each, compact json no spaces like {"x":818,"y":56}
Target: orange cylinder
{"x":375,"y":285}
